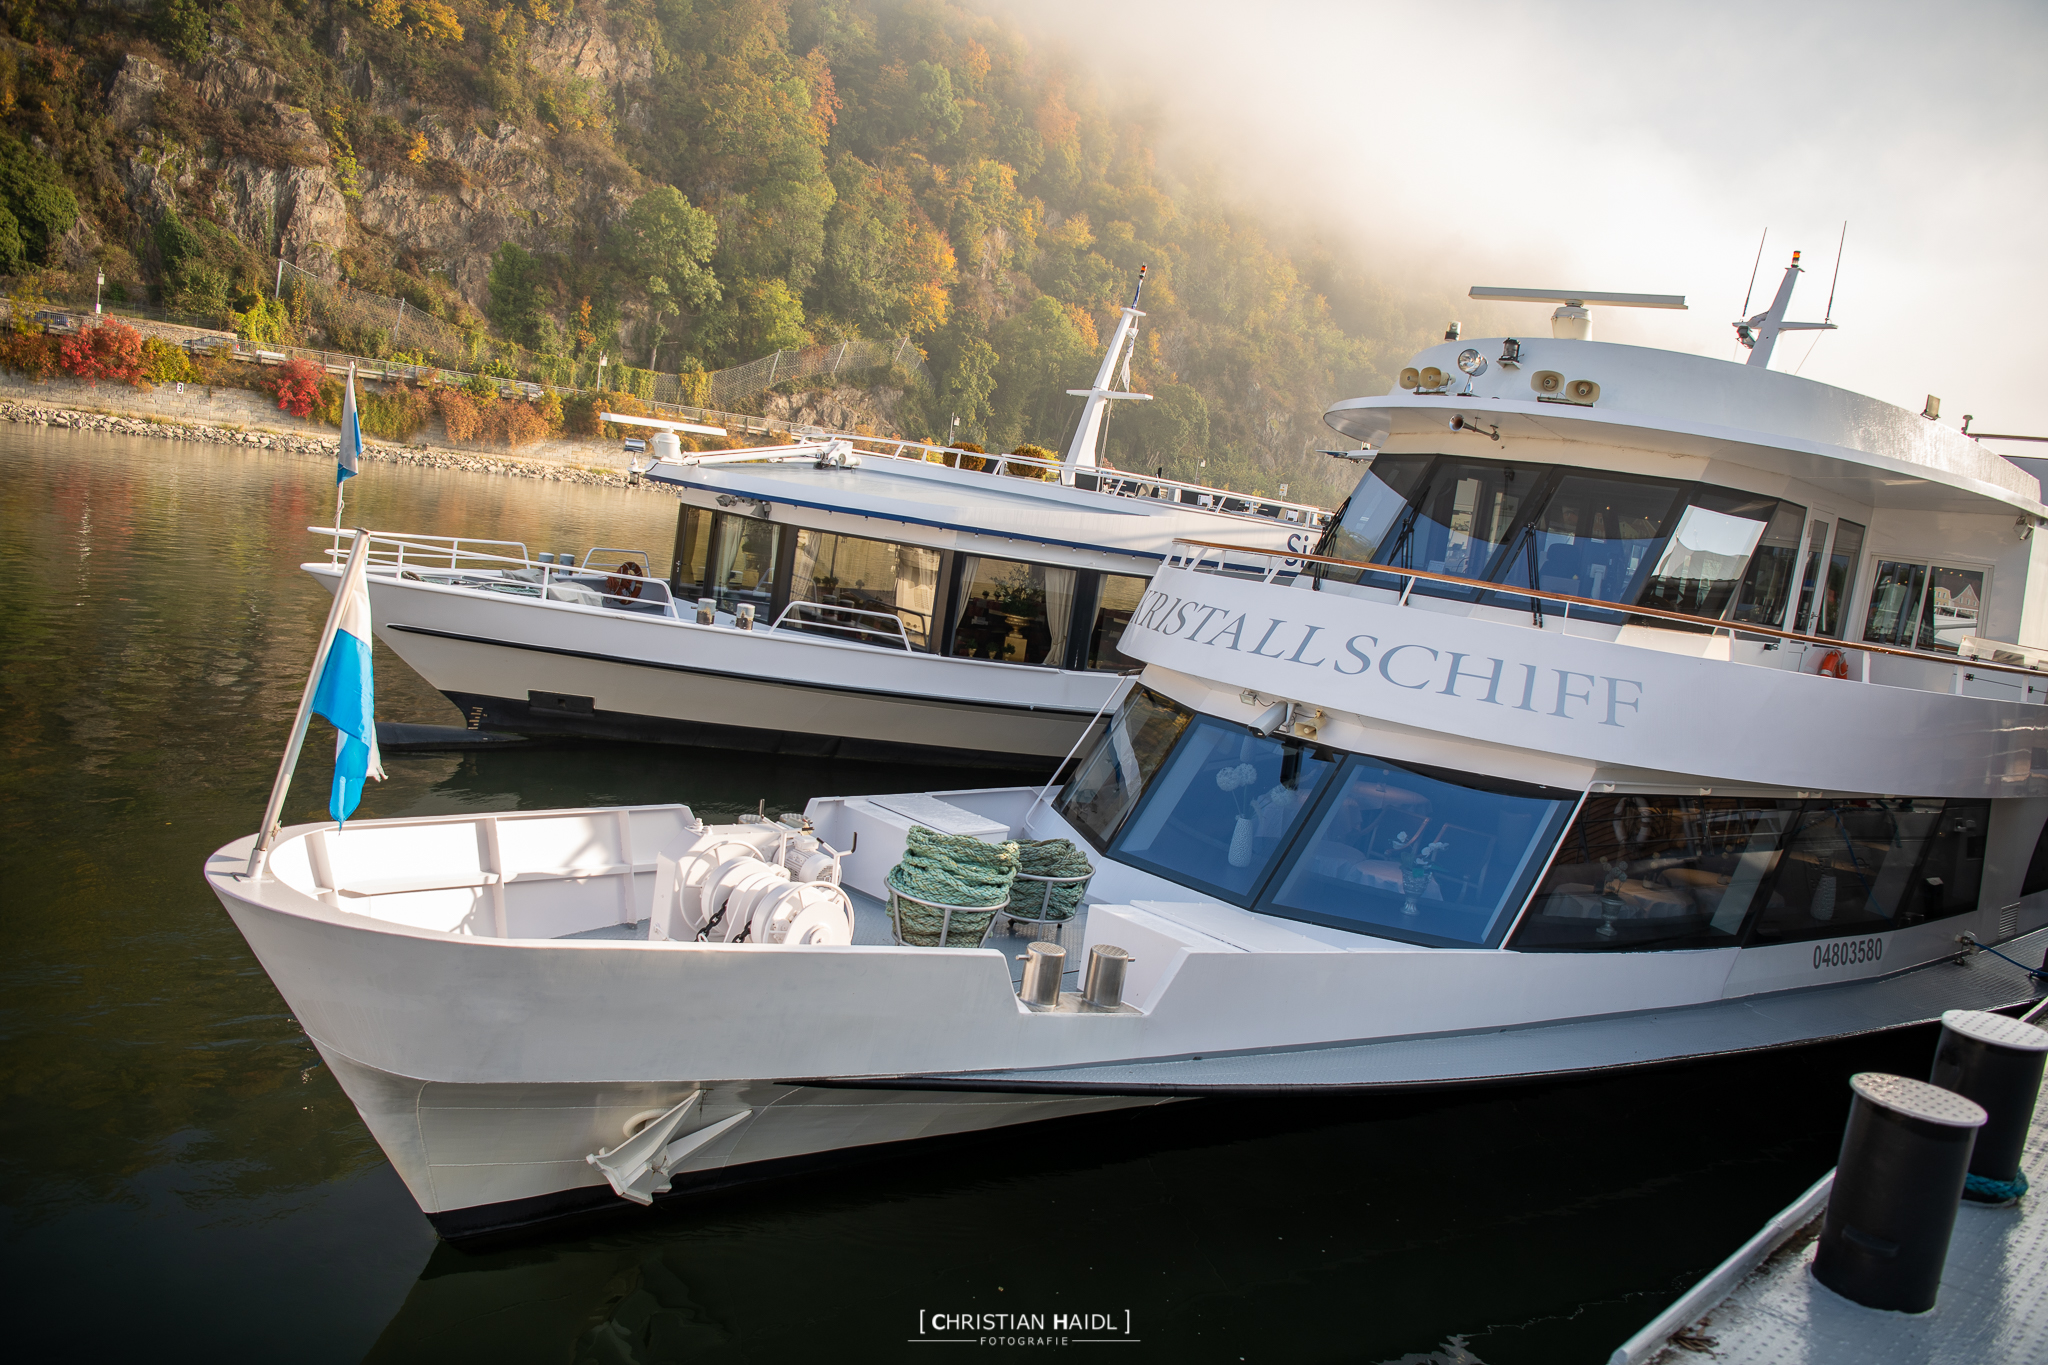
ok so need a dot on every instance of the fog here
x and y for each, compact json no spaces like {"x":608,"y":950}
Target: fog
{"x":1642,"y":149}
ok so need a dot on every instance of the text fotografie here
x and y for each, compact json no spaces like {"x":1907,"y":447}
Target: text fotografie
{"x":1411,"y":667}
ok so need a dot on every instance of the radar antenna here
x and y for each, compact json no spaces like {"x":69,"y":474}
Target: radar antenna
{"x":1760,"y":333}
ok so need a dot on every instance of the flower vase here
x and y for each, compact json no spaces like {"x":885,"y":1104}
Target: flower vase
{"x":1413,"y":884}
{"x":1241,"y":843}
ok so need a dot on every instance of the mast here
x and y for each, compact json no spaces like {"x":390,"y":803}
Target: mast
{"x":1081,"y":451}
{"x":1760,"y":333}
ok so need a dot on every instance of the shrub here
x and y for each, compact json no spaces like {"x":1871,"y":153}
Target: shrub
{"x":480,"y":387}
{"x":107,"y":350}
{"x":394,"y":414}
{"x":511,"y":422}
{"x":459,"y":412}
{"x":31,"y":353}
{"x":1025,"y":471}
{"x":297,"y":384}
{"x":327,"y":407}
{"x":165,"y":362}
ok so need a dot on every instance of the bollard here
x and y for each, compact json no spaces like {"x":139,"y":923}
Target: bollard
{"x":1996,"y":1061}
{"x":1107,"y":965}
{"x":1044,"y":963}
{"x":1897,"y":1185}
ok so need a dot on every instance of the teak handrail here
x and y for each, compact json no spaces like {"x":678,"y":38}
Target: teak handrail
{"x":1956,"y":661}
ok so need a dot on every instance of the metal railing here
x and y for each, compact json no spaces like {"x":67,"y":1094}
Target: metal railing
{"x":829,"y":610}
{"x":463,"y":562}
{"x":1290,"y":563}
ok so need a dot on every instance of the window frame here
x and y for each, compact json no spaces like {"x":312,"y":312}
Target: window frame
{"x":1930,"y":566}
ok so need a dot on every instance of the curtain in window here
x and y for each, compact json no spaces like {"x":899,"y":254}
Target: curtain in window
{"x":917,"y":589}
{"x":1059,"y":611}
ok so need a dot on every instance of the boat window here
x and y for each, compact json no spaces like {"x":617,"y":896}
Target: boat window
{"x":1109,"y":781}
{"x":1376,"y":506}
{"x":1464,"y":516}
{"x":1121,"y":594}
{"x":1857,"y":866}
{"x":1593,"y":535}
{"x":1923,"y":606}
{"x":742,"y":564}
{"x":1441,"y":859}
{"x":1702,"y":561}
{"x":1224,"y":806}
{"x":693,"y":551}
{"x":1642,"y":872}
{"x":863,"y":575}
{"x":1767,"y":587}
{"x":1834,"y":606}
{"x":1809,"y":581}
{"x":1012,"y":612}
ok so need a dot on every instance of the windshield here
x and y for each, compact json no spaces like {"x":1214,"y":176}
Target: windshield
{"x":1108,"y":783}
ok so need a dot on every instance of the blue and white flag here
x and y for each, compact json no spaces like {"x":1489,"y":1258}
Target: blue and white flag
{"x":347,"y":696}
{"x":351,"y":453}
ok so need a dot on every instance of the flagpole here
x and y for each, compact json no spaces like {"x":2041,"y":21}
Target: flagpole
{"x":274,"y":812}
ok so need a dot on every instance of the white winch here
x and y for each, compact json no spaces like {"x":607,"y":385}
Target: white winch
{"x":760,"y":883}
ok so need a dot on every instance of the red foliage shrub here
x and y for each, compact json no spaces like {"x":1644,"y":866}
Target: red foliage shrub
{"x":513,"y":423}
{"x":297,"y":385}
{"x":31,"y":353}
{"x":460,"y":414}
{"x":106,"y":350}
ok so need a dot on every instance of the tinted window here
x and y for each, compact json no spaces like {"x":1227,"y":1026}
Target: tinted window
{"x":1809,"y":579}
{"x":1657,"y":872}
{"x":742,"y":562}
{"x":1854,"y":866}
{"x":1767,"y":587}
{"x":1834,"y":603}
{"x":1015,"y":613}
{"x":1594,"y":534}
{"x":1464,"y":517}
{"x":1113,"y":611}
{"x":1424,"y":857}
{"x":1223,"y":808}
{"x":1379,"y":505}
{"x":1110,"y":780}
{"x":1702,"y":562}
{"x":861,"y":576}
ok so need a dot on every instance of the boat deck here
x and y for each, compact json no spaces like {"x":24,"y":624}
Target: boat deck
{"x":1993,"y":1305}
{"x":871,"y":928}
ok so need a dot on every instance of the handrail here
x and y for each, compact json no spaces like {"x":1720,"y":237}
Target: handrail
{"x":893,"y":619}
{"x":1510,"y":590}
{"x":546,"y":580}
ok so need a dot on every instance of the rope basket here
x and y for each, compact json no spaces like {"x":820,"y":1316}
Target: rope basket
{"x":948,"y":889}
{"x":1052,"y":878}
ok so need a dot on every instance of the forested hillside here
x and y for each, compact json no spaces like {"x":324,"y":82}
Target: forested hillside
{"x":683,"y":185}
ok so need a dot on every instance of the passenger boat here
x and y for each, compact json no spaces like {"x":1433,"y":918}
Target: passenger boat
{"x":841,"y":596}
{"x":1627,"y":715}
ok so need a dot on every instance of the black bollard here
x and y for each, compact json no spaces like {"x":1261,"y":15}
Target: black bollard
{"x":1897,"y":1185}
{"x":1996,"y":1061}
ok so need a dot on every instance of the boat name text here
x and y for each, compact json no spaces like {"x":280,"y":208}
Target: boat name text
{"x":1558,"y":692}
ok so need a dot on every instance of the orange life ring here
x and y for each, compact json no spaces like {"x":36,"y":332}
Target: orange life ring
{"x":625,"y":583}
{"x":1833,"y":665}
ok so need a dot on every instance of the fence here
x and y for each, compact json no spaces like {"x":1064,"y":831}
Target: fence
{"x":379,"y":322}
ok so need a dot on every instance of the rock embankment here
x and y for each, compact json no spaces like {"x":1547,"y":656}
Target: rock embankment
{"x":39,"y":414}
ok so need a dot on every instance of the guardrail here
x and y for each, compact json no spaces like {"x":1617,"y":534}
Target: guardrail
{"x":462,"y":562}
{"x":828,"y":610}
{"x":1290,"y":563}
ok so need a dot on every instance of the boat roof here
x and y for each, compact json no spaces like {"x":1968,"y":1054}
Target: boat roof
{"x":1669,"y":402}
{"x":919,"y":493}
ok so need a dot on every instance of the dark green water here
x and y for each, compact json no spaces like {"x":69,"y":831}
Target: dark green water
{"x":181,"y":1180}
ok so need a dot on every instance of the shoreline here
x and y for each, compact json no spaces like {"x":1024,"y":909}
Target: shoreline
{"x":29,"y":413}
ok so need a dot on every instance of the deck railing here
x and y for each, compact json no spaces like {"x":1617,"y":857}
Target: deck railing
{"x":505,"y":566}
{"x":1203,"y":556}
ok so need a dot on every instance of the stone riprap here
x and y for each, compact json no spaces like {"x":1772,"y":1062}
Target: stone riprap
{"x":47,"y":415}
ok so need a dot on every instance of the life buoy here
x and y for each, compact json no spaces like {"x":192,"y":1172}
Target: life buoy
{"x":1641,"y":806}
{"x":626,"y":582}
{"x":1833,"y":665}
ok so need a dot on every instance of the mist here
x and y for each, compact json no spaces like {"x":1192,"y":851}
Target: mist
{"x":1637,"y":149}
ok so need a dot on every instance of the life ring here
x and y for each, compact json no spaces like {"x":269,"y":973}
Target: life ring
{"x":1643,"y":818}
{"x":1833,"y":665}
{"x":627,"y":582}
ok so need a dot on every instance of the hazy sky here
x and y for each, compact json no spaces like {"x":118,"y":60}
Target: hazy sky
{"x":1644,"y":148}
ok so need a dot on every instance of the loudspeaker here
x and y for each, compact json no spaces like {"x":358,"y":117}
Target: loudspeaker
{"x":1410,"y":377}
{"x":1582,"y":391}
{"x":1547,"y":381}
{"x":1432,"y":378}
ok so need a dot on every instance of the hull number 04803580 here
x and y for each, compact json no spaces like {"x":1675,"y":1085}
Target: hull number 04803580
{"x":1848,"y":953}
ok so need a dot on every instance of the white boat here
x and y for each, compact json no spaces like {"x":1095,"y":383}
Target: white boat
{"x":1406,"y":820}
{"x":842,"y":596}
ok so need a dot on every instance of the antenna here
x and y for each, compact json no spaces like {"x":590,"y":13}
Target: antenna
{"x":1747,"y":293}
{"x":1830,"y":315}
{"x":1141,"y":282}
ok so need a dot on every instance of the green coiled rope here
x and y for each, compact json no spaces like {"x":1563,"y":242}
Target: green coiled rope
{"x":1049,"y":858}
{"x":950,"y":869}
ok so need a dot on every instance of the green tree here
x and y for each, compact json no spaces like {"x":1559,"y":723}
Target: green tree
{"x":667,"y":242}
{"x":969,"y":382}
{"x":1171,"y":430}
{"x":519,"y":294}
{"x":29,"y":187}
{"x":182,"y":27}
{"x":1042,"y":355}
{"x":767,"y":316}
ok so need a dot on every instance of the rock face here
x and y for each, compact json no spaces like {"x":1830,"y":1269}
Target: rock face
{"x":840,"y":409}
{"x":581,"y":49}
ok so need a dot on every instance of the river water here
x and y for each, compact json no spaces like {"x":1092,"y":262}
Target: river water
{"x":180,"y":1178}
